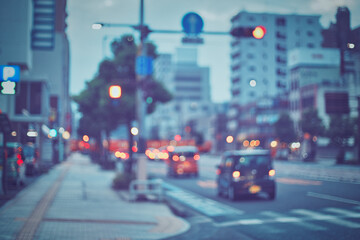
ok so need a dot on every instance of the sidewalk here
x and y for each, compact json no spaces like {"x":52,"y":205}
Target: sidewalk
{"x":75,"y":201}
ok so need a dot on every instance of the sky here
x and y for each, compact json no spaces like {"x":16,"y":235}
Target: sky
{"x":89,"y":47}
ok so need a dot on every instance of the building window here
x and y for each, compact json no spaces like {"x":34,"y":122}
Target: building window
{"x":187,"y":79}
{"x":280,"y":22}
{"x":236,"y":80}
{"x":310,"y":21}
{"x":310,"y":33}
{"x":310,"y":45}
{"x":280,"y":35}
{"x":29,"y":98}
{"x":236,"y":67}
{"x":188,"y":89}
{"x":252,"y":68}
{"x":251,"y":18}
{"x":250,"y":56}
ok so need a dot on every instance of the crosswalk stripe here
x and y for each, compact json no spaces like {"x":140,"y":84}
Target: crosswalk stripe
{"x":346,"y":213}
{"x":328,"y":218}
{"x":298,"y":221}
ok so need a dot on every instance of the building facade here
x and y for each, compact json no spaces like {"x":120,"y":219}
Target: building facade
{"x":35,"y":39}
{"x":259,"y":75}
{"x":189,"y":84}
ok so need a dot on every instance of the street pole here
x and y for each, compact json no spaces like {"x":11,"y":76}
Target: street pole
{"x":141,"y":110}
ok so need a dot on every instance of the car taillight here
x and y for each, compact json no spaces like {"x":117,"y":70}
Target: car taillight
{"x":196,"y":157}
{"x":236,"y":175}
{"x":175,"y":158}
{"x":272,"y":173}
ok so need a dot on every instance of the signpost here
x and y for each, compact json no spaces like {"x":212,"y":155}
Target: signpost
{"x":192,"y":25}
{"x":9,"y":77}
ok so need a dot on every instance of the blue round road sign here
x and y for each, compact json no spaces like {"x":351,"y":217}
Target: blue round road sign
{"x":192,"y":23}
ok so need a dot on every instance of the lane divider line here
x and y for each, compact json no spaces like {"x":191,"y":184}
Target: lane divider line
{"x":332,"y":198}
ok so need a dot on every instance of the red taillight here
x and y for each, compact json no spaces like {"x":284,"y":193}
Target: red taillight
{"x":196,"y":157}
{"x":218,"y":171}
{"x":175,"y":158}
{"x":20,"y":162}
{"x":272,"y":173}
{"x":236,"y":174}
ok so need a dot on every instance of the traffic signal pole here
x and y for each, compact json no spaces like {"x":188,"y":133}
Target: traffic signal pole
{"x":141,"y":169}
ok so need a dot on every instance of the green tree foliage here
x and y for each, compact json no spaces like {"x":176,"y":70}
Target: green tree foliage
{"x":311,"y":123}
{"x":100,"y":112}
{"x":284,"y":129}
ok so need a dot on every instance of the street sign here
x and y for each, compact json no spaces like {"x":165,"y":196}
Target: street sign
{"x":192,"y":23}
{"x":144,"y":65}
{"x":8,"y":88}
{"x":192,"y":40}
{"x":9,"y":73}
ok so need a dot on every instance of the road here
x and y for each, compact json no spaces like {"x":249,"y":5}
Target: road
{"x":314,"y":201}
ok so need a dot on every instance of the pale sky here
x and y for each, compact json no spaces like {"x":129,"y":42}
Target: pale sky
{"x":88,"y":47}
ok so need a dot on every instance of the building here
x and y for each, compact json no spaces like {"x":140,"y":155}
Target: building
{"x":339,"y":35}
{"x":313,"y":74}
{"x":189,"y":84}
{"x":259,"y":75}
{"x":35,"y":39}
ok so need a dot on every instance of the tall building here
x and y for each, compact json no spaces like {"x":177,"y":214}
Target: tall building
{"x":189,"y":84}
{"x":259,"y":75}
{"x":35,"y":39}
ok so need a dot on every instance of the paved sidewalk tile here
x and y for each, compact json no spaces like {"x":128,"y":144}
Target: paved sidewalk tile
{"x":85,"y":207}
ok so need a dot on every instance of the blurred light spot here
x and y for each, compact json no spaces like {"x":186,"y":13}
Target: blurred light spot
{"x":252,"y":83}
{"x":229,"y":139}
{"x":274,"y":144}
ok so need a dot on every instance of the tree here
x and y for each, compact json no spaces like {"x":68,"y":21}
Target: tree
{"x":312,"y":126}
{"x":102,"y":114}
{"x":284,"y":129}
{"x":311,"y":123}
{"x":341,"y":128}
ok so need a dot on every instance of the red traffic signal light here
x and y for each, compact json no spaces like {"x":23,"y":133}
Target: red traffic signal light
{"x":255,"y":32}
{"x":259,"y":32}
{"x":115,"y":91}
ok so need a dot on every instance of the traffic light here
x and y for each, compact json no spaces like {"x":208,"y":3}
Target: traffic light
{"x":115,"y":91}
{"x":257,"y":32}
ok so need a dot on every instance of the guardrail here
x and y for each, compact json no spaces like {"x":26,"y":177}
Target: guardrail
{"x":146,"y":187}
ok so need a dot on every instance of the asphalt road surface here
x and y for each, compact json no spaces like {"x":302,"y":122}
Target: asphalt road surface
{"x":314,"y":201}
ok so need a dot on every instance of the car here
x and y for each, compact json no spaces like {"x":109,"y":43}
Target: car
{"x":183,"y":160}
{"x":246,"y":172}
{"x":15,"y":169}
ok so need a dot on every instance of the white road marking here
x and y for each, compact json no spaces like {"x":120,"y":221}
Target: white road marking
{"x":240,"y":222}
{"x":343,"y":212}
{"x":332,"y":198}
{"x":298,"y":221}
{"x":328,"y":218}
{"x":202,"y":204}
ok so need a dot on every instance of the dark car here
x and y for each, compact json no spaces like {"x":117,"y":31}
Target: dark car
{"x":183,"y":161}
{"x":246,"y":172}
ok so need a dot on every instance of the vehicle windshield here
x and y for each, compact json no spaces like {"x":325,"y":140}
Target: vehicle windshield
{"x":251,"y":161}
